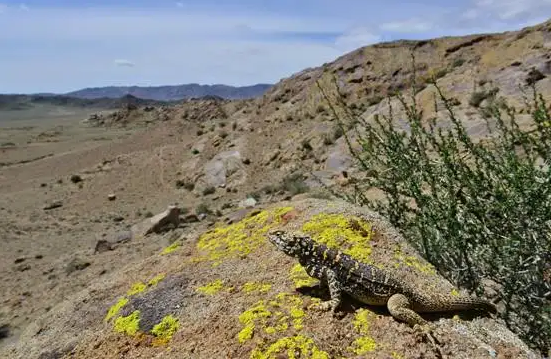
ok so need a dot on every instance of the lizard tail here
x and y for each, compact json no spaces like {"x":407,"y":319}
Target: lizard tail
{"x":451,"y":303}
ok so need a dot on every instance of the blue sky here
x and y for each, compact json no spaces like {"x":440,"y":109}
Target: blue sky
{"x":62,"y":45}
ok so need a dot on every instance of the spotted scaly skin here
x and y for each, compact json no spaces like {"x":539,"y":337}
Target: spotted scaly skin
{"x":340,"y":273}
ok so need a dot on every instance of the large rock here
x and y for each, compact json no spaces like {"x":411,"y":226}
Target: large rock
{"x":221,"y":167}
{"x":233,"y":295}
{"x":158,"y":223}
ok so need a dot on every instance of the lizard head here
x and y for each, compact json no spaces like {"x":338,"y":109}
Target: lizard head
{"x":288,"y":243}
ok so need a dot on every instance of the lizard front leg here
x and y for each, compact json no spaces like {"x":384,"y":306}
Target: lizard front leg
{"x":335,"y":291}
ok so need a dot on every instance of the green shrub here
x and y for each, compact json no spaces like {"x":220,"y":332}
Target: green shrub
{"x":477,"y":210}
{"x":458,"y":62}
{"x":209,"y":190}
{"x":306,"y":145}
{"x":328,"y":140}
{"x":203,"y":208}
{"x":294,"y":184}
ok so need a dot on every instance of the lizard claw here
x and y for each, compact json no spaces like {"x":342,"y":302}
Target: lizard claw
{"x":323,"y":306}
{"x":425,"y":331}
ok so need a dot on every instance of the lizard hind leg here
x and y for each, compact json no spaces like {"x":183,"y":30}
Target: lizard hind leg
{"x":399,"y":307}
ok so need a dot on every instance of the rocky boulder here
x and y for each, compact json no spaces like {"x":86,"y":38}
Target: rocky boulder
{"x":228,"y":293}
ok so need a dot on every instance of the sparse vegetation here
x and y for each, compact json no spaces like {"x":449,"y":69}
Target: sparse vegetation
{"x":306,"y":145}
{"x":328,"y":139}
{"x":458,"y":62}
{"x":209,"y":190}
{"x":294,"y":184}
{"x":338,"y":132}
{"x":188,"y":185}
{"x":203,"y":208}
{"x":478,"y":210}
{"x":478,"y":96}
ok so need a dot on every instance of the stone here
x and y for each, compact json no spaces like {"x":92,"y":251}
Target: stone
{"x":159,"y":223}
{"x":221,"y":167}
{"x":247,"y":203}
{"x":123,"y":237}
{"x":53,"y":205}
{"x":77,"y":264}
{"x":4,"y":331}
{"x":111,"y":197}
{"x":103,"y":246}
{"x":76,"y":178}
{"x":191,"y":218}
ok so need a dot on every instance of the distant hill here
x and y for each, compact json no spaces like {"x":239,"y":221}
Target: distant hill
{"x":172,"y":93}
{"x":23,"y":102}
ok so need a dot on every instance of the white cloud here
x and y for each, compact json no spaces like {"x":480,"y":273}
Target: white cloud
{"x":3,"y":8}
{"x":407,"y":26}
{"x":23,"y":7}
{"x":223,"y":43}
{"x":179,"y":4}
{"x":124,"y":63}
{"x":355,"y":38}
{"x":513,"y":9}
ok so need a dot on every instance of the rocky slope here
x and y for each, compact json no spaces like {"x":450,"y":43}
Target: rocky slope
{"x":208,"y":156}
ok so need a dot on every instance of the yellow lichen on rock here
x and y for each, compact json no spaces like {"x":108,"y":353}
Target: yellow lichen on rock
{"x":300,"y":277}
{"x":277,"y":315}
{"x":295,"y":347}
{"x":365,"y":343}
{"x":136,"y":288}
{"x":115,"y":308}
{"x":212,"y":287}
{"x":251,"y":287}
{"x":241,"y":238}
{"x":414,"y":262}
{"x":165,"y":329}
{"x":155,"y":280}
{"x":129,"y":324}
{"x":349,"y":234}
{"x":171,"y":248}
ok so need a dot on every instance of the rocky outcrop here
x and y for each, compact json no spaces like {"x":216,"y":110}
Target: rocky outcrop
{"x":229,"y":293}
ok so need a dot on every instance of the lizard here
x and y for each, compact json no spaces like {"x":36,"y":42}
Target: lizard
{"x":340,"y":273}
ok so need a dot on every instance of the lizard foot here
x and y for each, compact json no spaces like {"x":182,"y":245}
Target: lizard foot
{"x":425,"y":331}
{"x":328,"y":305}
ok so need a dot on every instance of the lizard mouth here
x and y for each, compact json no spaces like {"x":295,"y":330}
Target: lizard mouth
{"x":275,"y":237}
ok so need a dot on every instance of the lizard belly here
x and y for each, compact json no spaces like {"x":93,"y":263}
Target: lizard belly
{"x":364,"y":295}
